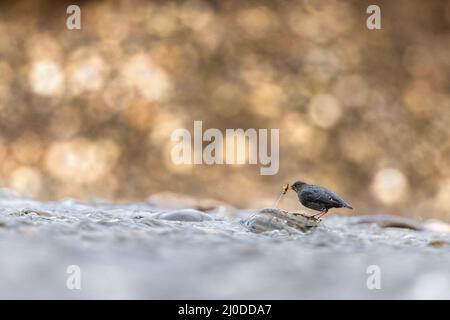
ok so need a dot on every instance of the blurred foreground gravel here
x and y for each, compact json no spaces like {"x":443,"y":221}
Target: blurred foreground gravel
{"x":142,"y":251}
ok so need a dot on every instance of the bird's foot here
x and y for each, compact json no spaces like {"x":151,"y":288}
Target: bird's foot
{"x":315,"y":216}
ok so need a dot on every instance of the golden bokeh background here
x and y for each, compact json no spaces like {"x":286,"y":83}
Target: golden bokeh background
{"x":88,"y":113}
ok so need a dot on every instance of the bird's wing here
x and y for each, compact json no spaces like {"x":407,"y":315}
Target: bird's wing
{"x":322,"y":195}
{"x":311,"y":194}
{"x":337,"y":200}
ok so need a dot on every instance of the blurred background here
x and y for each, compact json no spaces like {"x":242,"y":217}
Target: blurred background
{"x":88,"y":113}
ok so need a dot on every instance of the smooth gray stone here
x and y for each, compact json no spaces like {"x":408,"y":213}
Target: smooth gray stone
{"x":186,"y":215}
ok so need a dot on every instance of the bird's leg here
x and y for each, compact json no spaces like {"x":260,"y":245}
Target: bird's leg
{"x":323,"y":213}
{"x":320,"y":214}
{"x":317,"y":214}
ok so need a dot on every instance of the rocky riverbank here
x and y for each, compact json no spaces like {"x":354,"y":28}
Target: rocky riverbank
{"x":142,"y":250}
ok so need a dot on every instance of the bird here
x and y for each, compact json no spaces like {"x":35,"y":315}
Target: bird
{"x":318,"y":198}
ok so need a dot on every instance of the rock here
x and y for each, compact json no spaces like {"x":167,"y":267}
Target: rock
{"x":171,"y":200}
{"x":186,"y":215}
{"x":386,"y":221}
{"x":270,"y":219}
{"x":40,"y":213}
{"x":437,"y":243}
{"x":436,"y":226}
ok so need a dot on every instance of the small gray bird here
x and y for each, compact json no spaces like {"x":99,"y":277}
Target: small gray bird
{"x":318,"y":198}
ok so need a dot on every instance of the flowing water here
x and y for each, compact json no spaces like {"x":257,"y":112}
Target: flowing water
{"x":142,"y":251}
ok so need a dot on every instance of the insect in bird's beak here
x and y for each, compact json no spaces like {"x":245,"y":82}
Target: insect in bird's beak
{"x":285,"y":189}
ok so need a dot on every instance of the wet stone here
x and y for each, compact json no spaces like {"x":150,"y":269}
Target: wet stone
{"x":186,"y":215}
{"x":269,"y":219}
